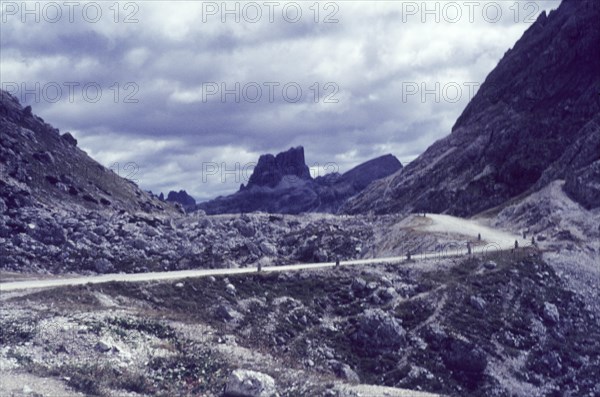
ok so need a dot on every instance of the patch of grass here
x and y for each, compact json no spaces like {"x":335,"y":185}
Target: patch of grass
{"x":194,"y":371}
{"x":13,"y":331}
{"x":101,"y":379}
{"x":86,"y":378}
{"x":413,"y":312}
{"x":67,"y":296}
{"x":145,"y":325}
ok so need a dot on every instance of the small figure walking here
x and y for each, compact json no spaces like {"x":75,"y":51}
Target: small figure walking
{"x":337,"y":261}
{"x":259,"y":266}
{"x":516,"y":244}
{"x":468,"y":247}
{"x":524,"y":234}
{"x":407,"y":255}
{"x":532,"y":240}
{"x":478,"y":236}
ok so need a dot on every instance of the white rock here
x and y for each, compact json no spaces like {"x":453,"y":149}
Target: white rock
{"x":268,"y":248}
{"x":551,"y":312}
{"x":246,"y":383}
{"x":230,"y":288}
{"x":103,"y":346}
{"x":490,"y":265}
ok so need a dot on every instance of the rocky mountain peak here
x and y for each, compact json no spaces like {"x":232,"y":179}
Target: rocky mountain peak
{"x":531,"y":108}
{"x":181,"y":197}
{"x":271,"y":169}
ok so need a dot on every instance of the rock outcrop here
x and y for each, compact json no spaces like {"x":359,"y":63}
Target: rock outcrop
{"x":531,"y":108}
{"x":270,"y":169}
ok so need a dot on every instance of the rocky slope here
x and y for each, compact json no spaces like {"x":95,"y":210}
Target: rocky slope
{"x":283,"y":184}
{"x":540,"y":103}
{"x":568,"y":233}
{"x":579,"y":166}
{"x":42,"y":168}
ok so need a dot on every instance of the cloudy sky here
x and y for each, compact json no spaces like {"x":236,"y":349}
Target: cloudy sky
{"x":188,"y":94}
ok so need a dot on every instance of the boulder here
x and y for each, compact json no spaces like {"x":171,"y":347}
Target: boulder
{"x":344,"y":371}
{"x":139,"y":244}
{"x":103,"y":265}
{"x":69,"y":138}
{"x":477,"y":302}
{"x":225,"y":312}
{"x":230,"y":288}
{"x":247,"y":383}
{"x":44,"y":157}
{"x":246,"y":229}
{"x":268,"y":248}
{"x":551,"y":313}
{"x":103,"y":347}
{"x":48,"y":232}
{"x":386,"y":294}
{"x":358,"y":285}
{"x":377,"y":329}
{"x":464,"y":359}
{"x":490,"y":265}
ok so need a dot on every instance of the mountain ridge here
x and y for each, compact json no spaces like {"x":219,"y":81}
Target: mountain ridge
{"x":530,"y":109}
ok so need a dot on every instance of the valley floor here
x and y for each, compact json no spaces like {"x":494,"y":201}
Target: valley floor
{"x":499,"y":322}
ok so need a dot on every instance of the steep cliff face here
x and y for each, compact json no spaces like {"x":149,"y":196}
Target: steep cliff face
{"x":283,"y":184}
{"x":270,"y":169}
{"x":532,"y":107}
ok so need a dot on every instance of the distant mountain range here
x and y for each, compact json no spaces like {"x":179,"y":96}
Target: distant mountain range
{"x":181,"y":197}
{"x":536,"y":118}
{"x":283,"y":184}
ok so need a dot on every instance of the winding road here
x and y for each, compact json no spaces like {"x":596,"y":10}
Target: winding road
{"x":461,"y":229}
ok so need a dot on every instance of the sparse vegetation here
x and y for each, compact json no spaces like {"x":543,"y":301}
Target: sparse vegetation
{"x":452,"y":342}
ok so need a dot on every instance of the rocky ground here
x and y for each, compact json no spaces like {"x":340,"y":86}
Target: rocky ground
{"x":87,"y":241}
{"x":568,"y":233}
{"x":497,"y":326}
{"x":36,"y":239}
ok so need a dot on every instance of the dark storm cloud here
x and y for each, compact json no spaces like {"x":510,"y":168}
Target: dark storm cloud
{"x":155,"y":110}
